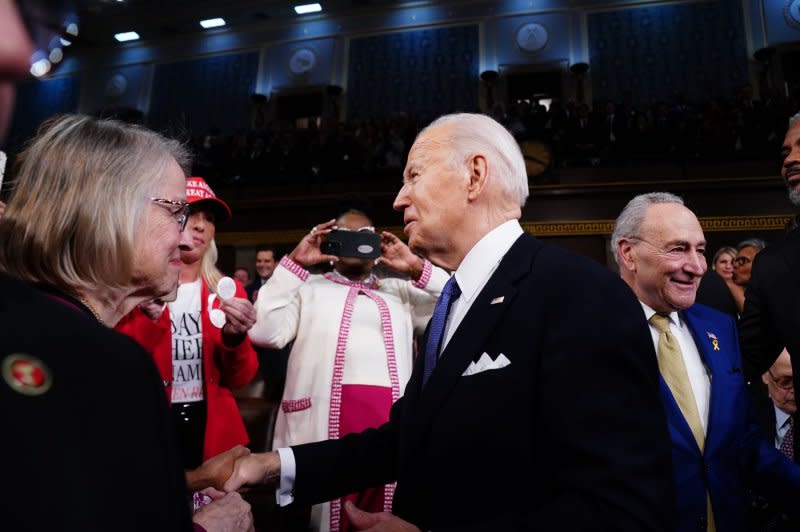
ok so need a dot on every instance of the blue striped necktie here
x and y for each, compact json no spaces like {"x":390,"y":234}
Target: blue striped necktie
{"x":449,"y":294}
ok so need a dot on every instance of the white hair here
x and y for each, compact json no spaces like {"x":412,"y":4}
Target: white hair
{"x":793,"y":120}
{"x":630,"y":219}
{"x":478,"y":133}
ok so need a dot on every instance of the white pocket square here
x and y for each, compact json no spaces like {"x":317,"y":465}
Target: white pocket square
{"x":485,"y":363}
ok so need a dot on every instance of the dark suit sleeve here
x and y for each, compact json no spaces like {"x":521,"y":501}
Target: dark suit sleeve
{"x":333,"y":468}
{"x":759,"y":340}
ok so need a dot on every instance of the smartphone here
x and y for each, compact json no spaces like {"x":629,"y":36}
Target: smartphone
{"x":359,"y":244}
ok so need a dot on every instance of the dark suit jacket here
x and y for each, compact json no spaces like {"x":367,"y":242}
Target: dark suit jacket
{"x":571,"y":435}
{"x":736,"y":456}
{"x":96,"y":451}
{"x":771,"y":318}
{"x":763,"y":512}
{"x":714,"y":293}
{"x":253,"y":287}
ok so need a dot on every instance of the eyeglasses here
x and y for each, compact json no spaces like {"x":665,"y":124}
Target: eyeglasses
{"x":784,"y":383}
{"x":179,"y":210}
{"x":741,"y":261}
{"x":52,"y":25}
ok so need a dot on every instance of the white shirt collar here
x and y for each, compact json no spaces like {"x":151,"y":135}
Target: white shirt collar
{"x":484,"y":257}
{"x":780,"y":416}
{"x":674,"y":316}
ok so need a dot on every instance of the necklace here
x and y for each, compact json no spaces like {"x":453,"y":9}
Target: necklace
{"x":91,"y":309}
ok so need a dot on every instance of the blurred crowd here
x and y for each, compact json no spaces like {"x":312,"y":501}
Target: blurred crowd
{"x":609,"y":133}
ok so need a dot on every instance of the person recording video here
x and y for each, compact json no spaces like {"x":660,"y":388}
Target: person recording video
{"x":353,"y":336}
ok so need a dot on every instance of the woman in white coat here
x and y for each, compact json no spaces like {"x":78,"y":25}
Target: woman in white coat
{"x":353,"y":342}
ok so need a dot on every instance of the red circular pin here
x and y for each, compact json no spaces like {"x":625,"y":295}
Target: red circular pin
{"x":26,"y":374}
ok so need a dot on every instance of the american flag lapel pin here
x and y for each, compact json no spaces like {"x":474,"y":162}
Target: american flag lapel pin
{"x":714,"y":340}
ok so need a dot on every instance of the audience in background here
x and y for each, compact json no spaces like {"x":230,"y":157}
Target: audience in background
{"x":717,"y":289}
{"x":265,"y":265}
{"x":242,"y":275}
{"x":746,"y":251}
{"x":607,"y":134}
{"x":271,"y":362}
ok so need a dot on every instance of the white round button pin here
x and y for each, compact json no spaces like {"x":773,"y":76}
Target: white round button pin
{"x":217,"y":318}
{"x":226,"y":288}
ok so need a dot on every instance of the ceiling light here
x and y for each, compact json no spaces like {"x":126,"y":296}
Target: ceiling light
{"x":212,"y":23}
{"x":307,"y":8}
{"x":127,"y":36}
{"x":40,"y":67}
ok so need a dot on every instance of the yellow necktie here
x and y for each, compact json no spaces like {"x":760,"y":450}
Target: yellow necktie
{"x":673,"y":370}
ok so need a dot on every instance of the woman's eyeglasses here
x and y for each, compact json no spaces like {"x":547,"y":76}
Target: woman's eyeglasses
{"x":741,"y":261}
{"x":179,"y":210}
{"x":52,"y":26}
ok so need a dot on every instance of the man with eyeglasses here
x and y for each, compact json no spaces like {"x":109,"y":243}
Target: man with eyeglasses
{"x":771,"y":318}
{"x":716,"y":450}
{"x":777,"y":426}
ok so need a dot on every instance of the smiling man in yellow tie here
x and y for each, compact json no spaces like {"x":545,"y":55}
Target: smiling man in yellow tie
{"x":716,"y":448}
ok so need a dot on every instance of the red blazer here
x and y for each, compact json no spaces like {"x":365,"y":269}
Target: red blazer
{"x":223,"y":369}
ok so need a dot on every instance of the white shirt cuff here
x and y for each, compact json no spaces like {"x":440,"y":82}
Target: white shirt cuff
{"x":284,"y":495}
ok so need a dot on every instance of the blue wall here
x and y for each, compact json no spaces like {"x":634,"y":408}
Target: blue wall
{"x":279,"y":76}
{"x":200,"y":94}
{"x":699,"y":48}
{"x":38,"y":100}
{"x":115,"y":88}
{"x":780,"y":26}
{"x":423,"y":59}
{"x":563,"y":40}
{"x":425,"y":72}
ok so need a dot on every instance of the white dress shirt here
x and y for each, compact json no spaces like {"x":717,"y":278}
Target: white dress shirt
{"x":475,"y":270}
{"x":699,"y":378}
{"x":472,"y":275}
{"x":781,"y":425}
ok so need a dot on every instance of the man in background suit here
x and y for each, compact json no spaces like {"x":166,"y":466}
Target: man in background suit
{"x":265,"y":265}
{"x":771,"y":318}
{"x":717,"y":451}
{"x":774,"y":414}
{"x":534,"y":402}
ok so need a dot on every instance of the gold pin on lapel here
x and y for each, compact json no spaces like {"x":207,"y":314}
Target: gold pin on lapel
{"x":497,"y":300}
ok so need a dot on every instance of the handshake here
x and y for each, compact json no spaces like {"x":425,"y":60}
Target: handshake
{"x":219,"y":478}
{"x":235,"y":468}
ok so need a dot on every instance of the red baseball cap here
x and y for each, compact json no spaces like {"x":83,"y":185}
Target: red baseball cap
{"x":198,"y":192}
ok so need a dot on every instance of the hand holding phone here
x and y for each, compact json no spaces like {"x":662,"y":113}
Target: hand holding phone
{"x":358,"y":244}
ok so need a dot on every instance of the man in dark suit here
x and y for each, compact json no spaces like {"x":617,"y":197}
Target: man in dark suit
{"x":717,"y":452}
{"x":771,"y":318}
{"x":774,"y":413}
{"x":537,"y":409}
{"x":265,"y":265}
